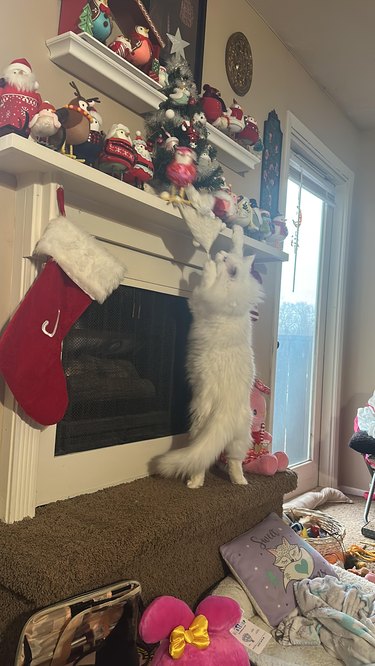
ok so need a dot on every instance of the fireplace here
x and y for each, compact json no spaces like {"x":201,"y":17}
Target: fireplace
{"x":124,"y":363}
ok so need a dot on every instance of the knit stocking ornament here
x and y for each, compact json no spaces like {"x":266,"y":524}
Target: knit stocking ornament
{"x":78,"y":271}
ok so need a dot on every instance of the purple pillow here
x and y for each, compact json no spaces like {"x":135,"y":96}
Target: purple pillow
{"x":267,"y":560}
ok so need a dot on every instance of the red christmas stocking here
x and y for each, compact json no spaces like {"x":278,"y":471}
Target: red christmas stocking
{"x":30,"y":349}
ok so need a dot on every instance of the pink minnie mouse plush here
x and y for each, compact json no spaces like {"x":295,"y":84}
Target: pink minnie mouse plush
{"x":259,"y":460}
{"x":200,"y":639}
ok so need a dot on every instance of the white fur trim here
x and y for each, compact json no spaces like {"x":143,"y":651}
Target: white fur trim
{"x":82,"y":258}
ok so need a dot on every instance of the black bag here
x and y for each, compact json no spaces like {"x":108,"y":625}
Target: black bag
{"x":98,"y":627}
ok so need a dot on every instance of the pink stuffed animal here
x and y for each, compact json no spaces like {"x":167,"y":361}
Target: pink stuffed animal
{"x":200,"y":639}
{"x":259,"y":460}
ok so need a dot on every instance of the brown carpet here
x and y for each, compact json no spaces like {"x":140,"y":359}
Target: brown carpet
{"x":153,"y":530}
{"x":351,"y":516}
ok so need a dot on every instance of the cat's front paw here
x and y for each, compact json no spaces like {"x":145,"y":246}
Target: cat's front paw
{"x":195,"y":481}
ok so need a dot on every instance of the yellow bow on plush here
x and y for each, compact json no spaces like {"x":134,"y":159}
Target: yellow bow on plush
{"x":196,"y":635}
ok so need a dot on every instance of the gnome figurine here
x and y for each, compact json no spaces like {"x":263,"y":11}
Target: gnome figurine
{"x":143,"y":168}
{"x":19,"y":99}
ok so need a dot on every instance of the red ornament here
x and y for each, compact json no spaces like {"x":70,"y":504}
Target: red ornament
{"x":193,"y":135}
{"x":212,"y":104}
{"x":122,"y":46}
{"x":250,"y":133}
{"x":236,"y":118}
{"x":118,"y":154}
{"x":182,"y":171}
{"x":143,"y":168}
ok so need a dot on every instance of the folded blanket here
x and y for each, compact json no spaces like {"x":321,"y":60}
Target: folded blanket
{"x":338,"y":615}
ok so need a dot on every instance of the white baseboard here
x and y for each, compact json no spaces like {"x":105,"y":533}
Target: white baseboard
{"x":347,"y":490}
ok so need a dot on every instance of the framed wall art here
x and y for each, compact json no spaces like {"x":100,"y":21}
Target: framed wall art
{"x":182,"y":24}
{"x":271,"y":161}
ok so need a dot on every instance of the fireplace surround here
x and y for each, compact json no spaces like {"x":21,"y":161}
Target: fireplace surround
{"x":150,"y":238}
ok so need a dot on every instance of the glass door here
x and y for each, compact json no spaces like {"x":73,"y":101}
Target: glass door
{"x":301,"y":326}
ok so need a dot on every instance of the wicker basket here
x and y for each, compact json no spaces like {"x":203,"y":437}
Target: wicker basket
{"x":330,"y":547}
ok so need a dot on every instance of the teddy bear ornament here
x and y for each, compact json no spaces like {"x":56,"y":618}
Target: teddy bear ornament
{"x":200,"y":639}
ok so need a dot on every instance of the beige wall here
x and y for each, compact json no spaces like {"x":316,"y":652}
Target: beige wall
{"x":279,"y":82}
{"x":359,"y":359}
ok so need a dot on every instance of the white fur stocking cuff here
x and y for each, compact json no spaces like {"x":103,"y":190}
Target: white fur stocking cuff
{"x":82,"y":258}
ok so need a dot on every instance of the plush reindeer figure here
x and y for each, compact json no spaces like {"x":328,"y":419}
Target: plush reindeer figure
{"x":75,"y":118}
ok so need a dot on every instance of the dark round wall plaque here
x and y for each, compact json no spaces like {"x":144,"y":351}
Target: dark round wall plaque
{"x":239,"y":63}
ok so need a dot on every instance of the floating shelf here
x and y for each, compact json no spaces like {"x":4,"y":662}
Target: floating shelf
{"x":230,"y":153}
{"x":94,"y":63}
{"x":90,"y":188}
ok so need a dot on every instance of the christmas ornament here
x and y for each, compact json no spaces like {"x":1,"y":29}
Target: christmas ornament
{"x":250,"y":133}
{"x":133,"y":20}
{"x":142,"y":53}
{"x":19,"y":99}
{"x":171,"y":142}
{"x":101,"y":20}
{"x":222,"y":123}
{"x":122,"y":46}
{"x":254,"y":229}
{"x":44,"y":125}
{"x":279,"y":232}
{"x":182,"y":170}
{"x":266,"y":226}
{"x":236,"y":118}
{"x":78,"y":272}
{"x":178,"y":45}
{"x":180,"y":95}
{"x":89,"y":151}
{"x":225,"y":205}
{"x":212,"y":103}
{"x":163,"y":76}
{"x":117,"y":156}
{"x":243,"y":212}
{"x":76,"y":119}
{"x":143,"y":168}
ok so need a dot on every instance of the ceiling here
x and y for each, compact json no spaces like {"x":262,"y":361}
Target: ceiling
{"x":334,"y":41}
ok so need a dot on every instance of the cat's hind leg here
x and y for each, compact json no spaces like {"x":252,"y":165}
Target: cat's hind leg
{"x":196,"y":481}
{"x":235,"y":472}
{"x":236,"y":451}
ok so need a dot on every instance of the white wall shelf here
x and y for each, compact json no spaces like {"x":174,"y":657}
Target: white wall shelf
{"x":94,"y":63}
{"x":101,"y":193}
{"x":230,"y":153}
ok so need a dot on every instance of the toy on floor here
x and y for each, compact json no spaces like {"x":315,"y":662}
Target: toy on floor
{"x":200,"y":639}
{"x":259,"y":459}
{"x":356,"y":559}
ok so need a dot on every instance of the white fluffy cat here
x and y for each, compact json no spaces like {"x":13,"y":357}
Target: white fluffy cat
{"x":220,"y":366}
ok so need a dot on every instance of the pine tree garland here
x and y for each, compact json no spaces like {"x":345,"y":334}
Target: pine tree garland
{"x":180,"y":120}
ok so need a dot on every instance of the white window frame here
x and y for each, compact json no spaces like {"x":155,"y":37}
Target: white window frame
{"x":295,"y":130}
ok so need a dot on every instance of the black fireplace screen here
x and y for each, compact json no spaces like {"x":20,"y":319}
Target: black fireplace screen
{"x":125,"y":368}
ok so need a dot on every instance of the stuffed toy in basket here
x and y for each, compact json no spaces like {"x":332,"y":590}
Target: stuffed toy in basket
{"x":200,"y":639}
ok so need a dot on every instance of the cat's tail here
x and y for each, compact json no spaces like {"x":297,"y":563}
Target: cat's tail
{"x":198,"y":456}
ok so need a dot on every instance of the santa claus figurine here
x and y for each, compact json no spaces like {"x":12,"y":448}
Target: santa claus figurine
{"x":19,"y":101}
